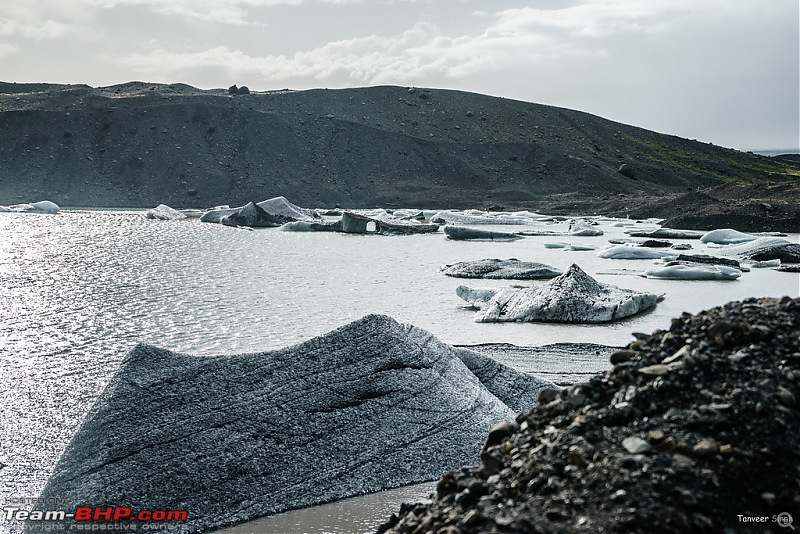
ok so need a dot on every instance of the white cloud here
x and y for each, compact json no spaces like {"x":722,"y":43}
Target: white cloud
{"x":7,"y":49}
{"x":46,"y":29}
{"x":220,"y":11}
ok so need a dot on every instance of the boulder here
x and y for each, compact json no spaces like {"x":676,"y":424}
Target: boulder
{"x":493,"y":268}
{"x":231,"y":438}
{"x":627,"y":171}
{"x":573,"y":297}
{"x":465,"y":233}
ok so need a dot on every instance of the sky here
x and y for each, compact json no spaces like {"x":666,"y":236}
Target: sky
{"x":720,"y":71}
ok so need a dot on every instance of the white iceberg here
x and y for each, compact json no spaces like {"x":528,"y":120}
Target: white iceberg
{"x":584,"y":229}
{"x":580,"y":248}
{"x":43,"y":206}
{"x":162,"y":212}
{"x":573,"y":297}
{"x":727,"y":236}
{"x":697,"y":271}
{"x":480,"y":217}
{"x":624,"y":252}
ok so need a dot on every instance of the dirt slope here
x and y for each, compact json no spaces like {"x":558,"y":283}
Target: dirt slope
{"x":138,"y":144}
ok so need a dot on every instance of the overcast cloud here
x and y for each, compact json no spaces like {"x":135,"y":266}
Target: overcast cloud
{"x":719,"y":71}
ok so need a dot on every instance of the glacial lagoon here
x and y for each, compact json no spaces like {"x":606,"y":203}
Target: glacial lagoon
{"x":79,"y":289}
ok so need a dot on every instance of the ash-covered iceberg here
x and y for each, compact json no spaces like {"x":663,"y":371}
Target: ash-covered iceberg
{"x":465,"y":233}
{"x":666,"y":233}
{"x":763,"y":249}
{"x":254,"y":216}
{"x":493,"y":268}
{"x":279,"y":208}
{"x":231,"y":438}
{"x":573,"y":297}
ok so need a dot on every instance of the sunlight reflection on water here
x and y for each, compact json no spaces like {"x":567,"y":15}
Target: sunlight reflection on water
{"x":79,"y":289}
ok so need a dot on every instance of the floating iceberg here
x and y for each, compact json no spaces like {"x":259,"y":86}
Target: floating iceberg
{"x":306,"y":226}
{"x":43,"y":206}
{"x":624,"y":252}
{"x":573,"y":297}
{"x":481,"y":218}
{"x":666,"y":233}
{"x":766,"y":264}
{"x":279,"y":208}
{"x":696,"y":271}
{"x":252,"y":215}
{"x":512,"y":269}
{"x":464,"y":233}
{"x":162,"y":212}
{"x":765,"y":248}
{"x":647,"y":243}
{"x":580,"y":248}
{"x":383,"y":224}
{"x":726,"y":236}
{"x":231,"y":438}
{"x":710,"y":260}
{"x":584,"y":229}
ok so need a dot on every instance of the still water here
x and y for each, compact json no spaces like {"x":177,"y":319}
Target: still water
{"x":79,"y":289}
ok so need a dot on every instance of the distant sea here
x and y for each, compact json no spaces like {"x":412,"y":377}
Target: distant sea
{"x":776,"y":151}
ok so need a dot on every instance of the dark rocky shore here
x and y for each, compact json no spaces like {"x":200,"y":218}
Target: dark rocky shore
{"x":141,"y":144}
{"x":693,"y":429}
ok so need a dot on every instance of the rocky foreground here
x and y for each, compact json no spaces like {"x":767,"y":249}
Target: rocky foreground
{"x":695,"y":429}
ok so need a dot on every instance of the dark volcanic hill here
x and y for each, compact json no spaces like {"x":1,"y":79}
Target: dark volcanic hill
{"x":139,"y":144}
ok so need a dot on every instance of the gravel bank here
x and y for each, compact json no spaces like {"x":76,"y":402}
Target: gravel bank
{"x":693,"y":429}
